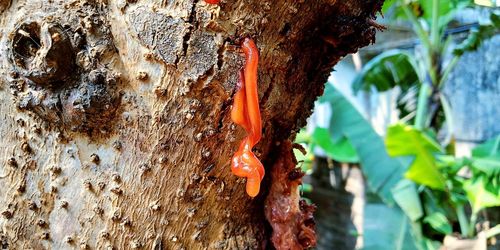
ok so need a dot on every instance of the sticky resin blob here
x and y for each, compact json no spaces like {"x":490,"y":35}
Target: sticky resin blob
{"x":212,"y":1}
{"x":246,"y":113}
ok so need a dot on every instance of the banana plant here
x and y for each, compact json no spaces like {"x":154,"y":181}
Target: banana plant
{"x":427,"y":73}
{"x":432,"y":194}
{"x":410,"y":168}
{"x":410,"y":171}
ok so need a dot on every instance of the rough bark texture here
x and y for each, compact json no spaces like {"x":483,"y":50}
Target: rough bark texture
{"x":114,"y":122}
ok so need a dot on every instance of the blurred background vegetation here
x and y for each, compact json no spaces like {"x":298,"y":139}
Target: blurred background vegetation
{"x":403,"y":148}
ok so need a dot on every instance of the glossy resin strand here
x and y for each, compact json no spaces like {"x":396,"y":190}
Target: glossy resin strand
{"x":246,"y":113}
{"x":212,"y":1}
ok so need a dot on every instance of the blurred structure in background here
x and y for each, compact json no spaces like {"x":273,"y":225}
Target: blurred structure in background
{"x":474,"y":93}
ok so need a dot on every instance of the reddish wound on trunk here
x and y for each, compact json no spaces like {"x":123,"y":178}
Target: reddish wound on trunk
{"x":212,"y":1}
{"x":290,"y":217}
{"x":245,"y":112}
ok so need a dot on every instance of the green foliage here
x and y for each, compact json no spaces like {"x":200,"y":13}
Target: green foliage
{"x":479,"y":34}
{"x":406,"y":196}
{"x":439,"y":222}
{"x":387,"y":5}
{"x":386,"y":228}
{"x":386,"y":71}
{"x":304,"y":160}
{"x":306,"y":188}
{"x":444,"y":189}
{"x":486,"y":162}
{"x":483,"y":189}
{"x":403,"y":140}
{"x":426,"y":184}
{"x":391,"y":69}
{"x":480,"y":190}
{"x":340,"y":149}
{"x":446,"y":11}
{"x":423,"y":9}
{"x":382,"y":172}
{"x":489,"y":149}
{"x":433,"y":192}
{"x":480,"y":194}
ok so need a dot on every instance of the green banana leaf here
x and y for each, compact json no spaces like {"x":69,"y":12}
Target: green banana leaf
{"x":483,"y":189}
{"x":447,"y":10}
{"x":382,"y":172}
{"x":406,"y":196}
{"x":480,"y":197}
{"x":479,"y":34}
{"x":392,"y":231}
{"x":340,"y":150}
{"x":386,"y":71}
{"x":423,"y":9}
{"x":404,"y":140}
{"x":439,"y":222}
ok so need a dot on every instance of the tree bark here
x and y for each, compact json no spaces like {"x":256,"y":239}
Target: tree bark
{"x":114,"y":117}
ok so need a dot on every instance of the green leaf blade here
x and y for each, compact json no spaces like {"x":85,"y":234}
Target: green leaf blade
{"x":382,"y":171}
{"x":403,"y":140}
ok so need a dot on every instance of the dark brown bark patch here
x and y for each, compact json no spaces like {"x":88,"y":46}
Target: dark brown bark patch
{"x":4,"y":4}
{"x":42,"y":53}
{"x":61,"y":72}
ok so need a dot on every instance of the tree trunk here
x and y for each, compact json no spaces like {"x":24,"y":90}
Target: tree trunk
{"x":114,"y":117}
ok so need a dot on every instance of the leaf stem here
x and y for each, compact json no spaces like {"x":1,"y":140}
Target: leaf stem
{"x":435,"y":36}
{"x":462,"y":221}
{"x":402,"y":233}
{"x":422,"y":105}
{"x":493,"y":231}
{"x":472,"y":225}
{"x":424,"y":37}
{"x":448,"y":118}
{"x":419,"y":30}
{"x":448,"y":70}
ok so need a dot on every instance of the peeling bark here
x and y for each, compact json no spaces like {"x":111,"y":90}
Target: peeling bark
{"x":114,"y":117}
